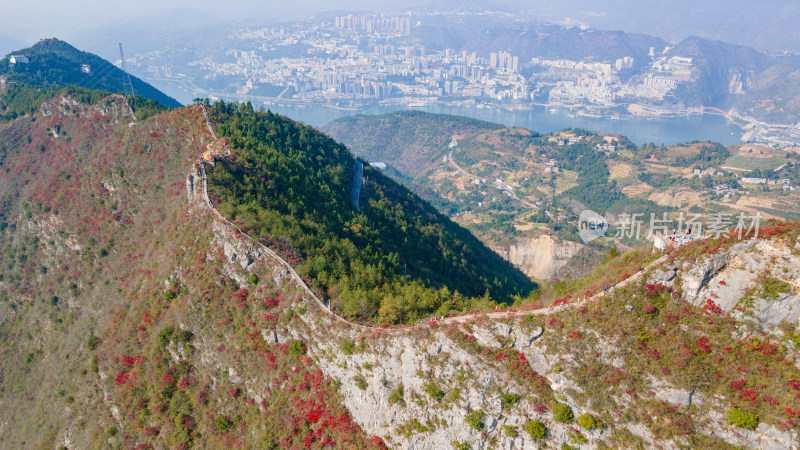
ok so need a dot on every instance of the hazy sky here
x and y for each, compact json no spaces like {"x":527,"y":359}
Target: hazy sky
{"x":766,"y":24}
{"x":34,"y":19}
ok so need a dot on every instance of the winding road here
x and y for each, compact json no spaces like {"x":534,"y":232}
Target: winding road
{"x":505,"y":188}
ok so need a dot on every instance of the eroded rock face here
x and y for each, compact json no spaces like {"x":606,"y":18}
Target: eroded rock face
{"x":786,"y":307}
{"x":731,"y":280}
{"x":237,"y":251}
{"x":696,"y":278}
{"x":369,"y":377}
{"x":542,"y":257}
{"x":230,"y":252}
{"x":766,"y":437}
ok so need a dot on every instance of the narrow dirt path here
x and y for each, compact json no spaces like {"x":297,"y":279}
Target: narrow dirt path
{"x":401,"y":328}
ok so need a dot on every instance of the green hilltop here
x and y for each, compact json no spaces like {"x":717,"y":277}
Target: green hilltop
{"x":52,"y":62}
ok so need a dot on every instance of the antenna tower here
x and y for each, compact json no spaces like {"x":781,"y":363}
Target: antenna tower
{"x":127,"y":86}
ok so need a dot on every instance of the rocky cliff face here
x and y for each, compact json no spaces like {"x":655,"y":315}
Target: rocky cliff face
{"x":542,"y":257}
{"x":480,"y":381}
{"x":758,"y":281}
{"x":720,"y":69}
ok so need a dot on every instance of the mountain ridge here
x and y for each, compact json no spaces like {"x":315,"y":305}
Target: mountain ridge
{"x":133,"y":316}
{"x":122,"y":259}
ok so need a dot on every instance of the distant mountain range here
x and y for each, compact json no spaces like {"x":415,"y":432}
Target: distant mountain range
{"x":775,"y":96}
{"x":534,"y":39}
{"x":145,"y":33}
{"x":722,"y":74}
{"x":736,"y":76}
{"x":768,"y":25}
{"x":52,"y":62}
{"x":721,"y":70}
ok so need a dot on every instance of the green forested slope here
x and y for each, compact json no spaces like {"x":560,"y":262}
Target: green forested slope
{"x":407,"y":140}
{"x":289,"y":185}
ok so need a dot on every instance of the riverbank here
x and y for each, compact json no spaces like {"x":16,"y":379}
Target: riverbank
{"x":641,"y":130}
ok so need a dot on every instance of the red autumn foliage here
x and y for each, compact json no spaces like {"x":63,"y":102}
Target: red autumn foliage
{"x":167,"y":380}
{"x":122,"y":378}
{"x":711,"y":308}
{"x":654,"y":290}
{"x":737,"y":385}
{"x":750,"y":394}
{"x":703,"y":344}
{"x":185,"y":382}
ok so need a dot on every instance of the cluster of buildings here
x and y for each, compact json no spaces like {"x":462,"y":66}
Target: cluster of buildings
{"x":377,"y":57}
{"x":18,"y":59}
{"x":357,"y":60}
{"x":722,"y":188}
{"x":375,"y":24}
{"x":785,"y":182}
{"x":772,"y":135}
{"x":596,"y":86}
{"x":353,"y":58}
{"x":726,"y":191}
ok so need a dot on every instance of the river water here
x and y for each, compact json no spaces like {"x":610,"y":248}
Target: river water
{"x":667,"y":131}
